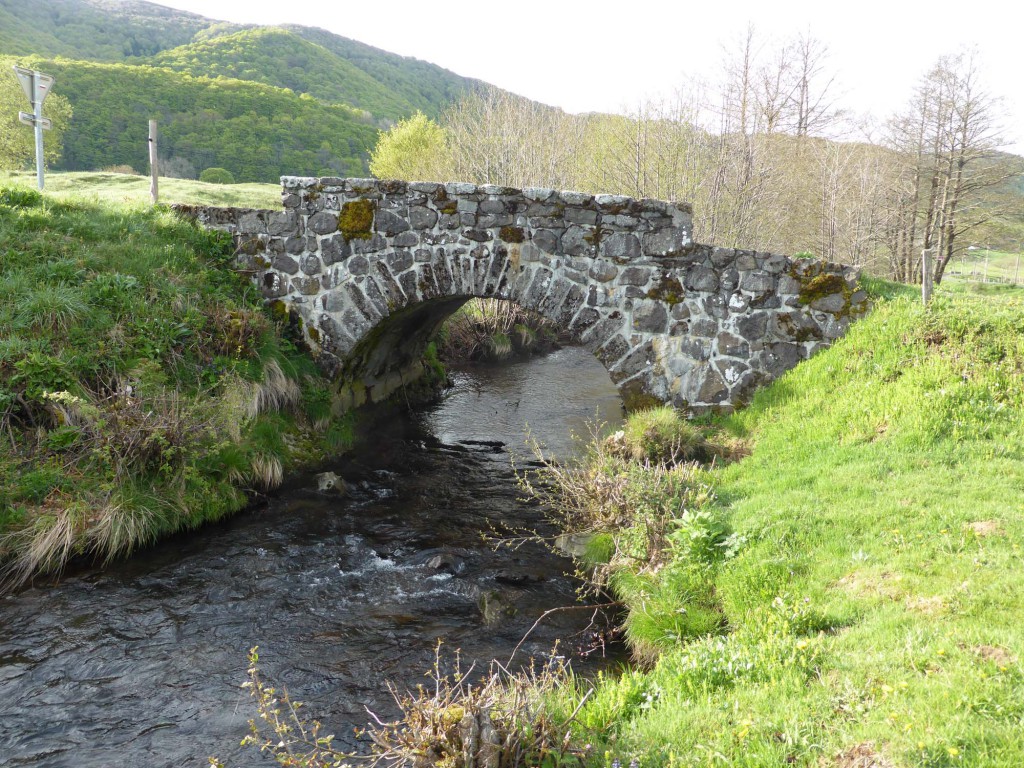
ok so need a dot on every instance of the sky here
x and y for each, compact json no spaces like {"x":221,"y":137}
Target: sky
{"x":607,"y":57}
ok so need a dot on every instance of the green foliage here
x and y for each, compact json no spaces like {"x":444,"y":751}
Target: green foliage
{"x":19,"y":198}
{"x":659,"y":435}
{"x":284,"y":59}
{"x":504,"y":718}
{"x":412,"y":149}
{"x":77,"y":29}
{"x":256,"y":132}
{"x":217,"y":176}
{"x":490,"y":330}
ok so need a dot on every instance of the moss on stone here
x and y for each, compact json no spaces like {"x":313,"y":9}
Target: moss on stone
{"x":669,"y":290}
{"x":450,"y":207}
{"x":356,"y":220}
{"x":820,"y":286}
{"x":635,"y":398}
{"x":512,"y":234}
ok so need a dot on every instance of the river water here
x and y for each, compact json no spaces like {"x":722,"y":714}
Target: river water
{"x":140,"y":664}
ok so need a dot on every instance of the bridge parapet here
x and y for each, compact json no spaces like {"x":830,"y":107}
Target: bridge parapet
{"x":373,"y":268}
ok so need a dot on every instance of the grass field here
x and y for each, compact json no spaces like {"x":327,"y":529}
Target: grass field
{"x":870,"y":595}
{"x":126,"y":188}
{"x":984,"y":265}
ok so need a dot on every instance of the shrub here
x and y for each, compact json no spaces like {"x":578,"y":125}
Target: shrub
{"x":490,"y":329}
{"x":658,"y":435}
{"x":506,"y":718}
{"x":20,"y":198}
{"x":217,"y":176}
{"x":125,"y":169}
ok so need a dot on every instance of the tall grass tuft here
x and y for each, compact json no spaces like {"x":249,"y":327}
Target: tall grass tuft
{"x":491,"y":330}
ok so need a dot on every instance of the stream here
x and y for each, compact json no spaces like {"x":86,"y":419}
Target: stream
{"x":140,"y":664}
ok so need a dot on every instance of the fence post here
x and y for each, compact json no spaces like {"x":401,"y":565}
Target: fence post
{"x":926,"y":274}
{"x":154,"y":185}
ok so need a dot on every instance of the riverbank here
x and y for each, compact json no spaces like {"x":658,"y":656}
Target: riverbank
{"x":859,"y":603}
{"x":143,"y":389}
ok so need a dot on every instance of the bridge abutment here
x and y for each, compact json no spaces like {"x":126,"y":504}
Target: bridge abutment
{"x":372,"y":268}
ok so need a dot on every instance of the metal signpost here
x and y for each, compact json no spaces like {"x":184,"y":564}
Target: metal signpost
{"x":35,"y":85}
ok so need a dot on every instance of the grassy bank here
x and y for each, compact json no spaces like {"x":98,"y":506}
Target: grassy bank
{"x":860,"y":600}
{"x":120,"y":188}
{"x":143,"y":389}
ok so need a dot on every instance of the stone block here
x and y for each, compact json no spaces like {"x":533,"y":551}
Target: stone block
{"x":701,"y":279}
{"x":323,"y":223}
{"x":286,"y":264}
{"x":283,"y":223}
{"x":835,"y":303}
{"x":602,"y":271}
{"x":758,"y":281}
{"x":310,"y":265}
{"x":421,"y":217}
{"x":650,"y":317}
{"x":732,"y":346}
{"x":407,"y":239}
{"x":670,"y":241}
{"x":334,"y":249}
{"x":575,"y":198}
{"x":621,"y":246}
{"x":389,"y":223}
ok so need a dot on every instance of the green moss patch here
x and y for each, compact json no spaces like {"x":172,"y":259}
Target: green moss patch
{"x":512,"y":234}
{"x":669,"y":290}
{"x":356,"y":220}
{"x":822,"y":285}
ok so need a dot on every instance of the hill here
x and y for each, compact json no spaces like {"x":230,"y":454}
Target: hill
{"x":306,"y":60}
{"x":104,"y":30}
{"x":255,"y":131}
{"x":426,"y":86}
{"x":283,"y":59}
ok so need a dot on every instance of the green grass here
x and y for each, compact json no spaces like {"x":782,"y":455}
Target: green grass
{"x":987,"y":265}
{"x":871,"y":596}
{"x":142,"y":387}
{"x":123,"y":188}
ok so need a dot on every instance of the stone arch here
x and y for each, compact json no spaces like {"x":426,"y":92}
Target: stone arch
{"x":372,"y":267}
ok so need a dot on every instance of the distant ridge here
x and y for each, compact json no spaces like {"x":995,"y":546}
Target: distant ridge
{"x":269,"y":72}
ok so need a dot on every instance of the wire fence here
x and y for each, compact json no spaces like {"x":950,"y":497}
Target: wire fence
{"x":988,"y":267}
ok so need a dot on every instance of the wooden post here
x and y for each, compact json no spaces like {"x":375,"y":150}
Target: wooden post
{"x":154,"y":185}
{"x":926,"y":274}
{"x":1016,"y":270}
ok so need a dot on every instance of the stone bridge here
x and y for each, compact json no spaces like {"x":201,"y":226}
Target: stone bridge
{"x":372,"y":269}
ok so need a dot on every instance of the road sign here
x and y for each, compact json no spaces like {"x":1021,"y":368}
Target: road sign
{"x":29,"y":119}
{"x":36,"y":85}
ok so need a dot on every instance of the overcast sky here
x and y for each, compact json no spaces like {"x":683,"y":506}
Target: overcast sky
{"x":595,"y":56}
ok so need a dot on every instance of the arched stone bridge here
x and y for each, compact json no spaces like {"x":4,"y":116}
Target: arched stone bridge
{"x":373,"y":268}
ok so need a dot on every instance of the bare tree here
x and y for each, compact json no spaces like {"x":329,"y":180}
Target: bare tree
{"x":948,"y":140}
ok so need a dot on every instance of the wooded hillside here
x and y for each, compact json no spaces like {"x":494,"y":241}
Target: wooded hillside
{"x":280,"y":101}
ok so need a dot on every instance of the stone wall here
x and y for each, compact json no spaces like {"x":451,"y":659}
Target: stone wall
{"x":372,"y":268}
